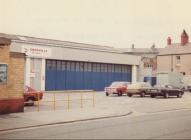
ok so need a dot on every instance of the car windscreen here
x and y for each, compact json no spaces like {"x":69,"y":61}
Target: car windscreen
{"x":115,"y":84}
{"x":163,"y":86}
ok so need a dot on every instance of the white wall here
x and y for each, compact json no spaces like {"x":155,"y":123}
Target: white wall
{"x":62,"y":53}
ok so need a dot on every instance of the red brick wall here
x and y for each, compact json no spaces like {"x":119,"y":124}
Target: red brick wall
{"x":11,"y":93}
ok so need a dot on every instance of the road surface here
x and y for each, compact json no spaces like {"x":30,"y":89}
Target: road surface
{"x":168,"y":124}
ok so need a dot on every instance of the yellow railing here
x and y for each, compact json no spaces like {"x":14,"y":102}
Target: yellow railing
{"x":68,"y":100}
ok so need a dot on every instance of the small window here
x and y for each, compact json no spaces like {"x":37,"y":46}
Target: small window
{"x":94,"y":67}
{"x":105,"y":67}
{"x":89,"y":67}
{"x":112,"y":68}
{"x":85,"y":67}
{"x":118,"y":68}
{"x":68,"y":66}
{"x":102,"y":67}
{"x":3,"y":73}
{"x":77,"y":66}
{"x":81,"y":66}
{"x":98,"y":67}
{"x":72,"y":66}
{"x":177,"y":59}
{"x":54,"y":64}
{"x":59,"y":65}
{"x":109,"y":68}
{"x":63,"y":65}
{"x":51,"y":64}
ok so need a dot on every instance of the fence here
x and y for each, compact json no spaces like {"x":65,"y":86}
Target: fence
{"x":68,"y":99}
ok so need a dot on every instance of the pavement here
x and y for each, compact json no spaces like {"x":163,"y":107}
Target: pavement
{"x":105,"y":107}
{"x":34,"y":118}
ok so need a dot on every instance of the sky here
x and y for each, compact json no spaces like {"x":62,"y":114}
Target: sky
{"x":117,"y":23}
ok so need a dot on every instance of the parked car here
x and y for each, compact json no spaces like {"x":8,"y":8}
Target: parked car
{"x":139,"y":88}
{"x":187,"y":88}
{"x":118,"y":87}
{"x":31,"y":95}
{"x":166,"y":91}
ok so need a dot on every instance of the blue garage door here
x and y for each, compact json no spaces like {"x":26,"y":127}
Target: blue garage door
{"x":71,"y":75}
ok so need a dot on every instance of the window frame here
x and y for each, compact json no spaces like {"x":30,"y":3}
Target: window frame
{"x":5,"y":73}
{"x":178,"y":59}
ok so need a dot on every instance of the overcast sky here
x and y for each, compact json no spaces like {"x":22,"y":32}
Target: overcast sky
{"x":117,"y":23}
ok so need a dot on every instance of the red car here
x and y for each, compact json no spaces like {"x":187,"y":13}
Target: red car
{"x":118,"y":88}
{"x":31,"y":95}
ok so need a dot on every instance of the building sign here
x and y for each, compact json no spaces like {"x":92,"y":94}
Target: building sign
{"x":37,"y":51}
{"x":3,"y":73}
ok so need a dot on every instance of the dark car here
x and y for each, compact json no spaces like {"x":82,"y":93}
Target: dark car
{"x":187,"y":87}
{"x":166,"y":91}
{"x":31,"y":95}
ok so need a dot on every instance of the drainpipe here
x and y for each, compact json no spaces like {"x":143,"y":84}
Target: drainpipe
{"x":172,"y":63}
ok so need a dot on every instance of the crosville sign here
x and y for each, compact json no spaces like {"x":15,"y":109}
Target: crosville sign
{"x":37,"y":51}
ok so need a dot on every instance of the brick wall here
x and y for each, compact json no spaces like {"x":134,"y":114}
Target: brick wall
{"x":11,"y":93}
{"x":4,"y":58}
{"x":168,"y":62}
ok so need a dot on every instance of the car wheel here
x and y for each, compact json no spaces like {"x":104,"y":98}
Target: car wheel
{"x":153,"y":96}
{"x":30,"y":102}
{"x":179,"y":95}
{"x":166,"y":95}
{"x":142,"y":94}
{"x":130,"y":95}
{"x":120,"y":93}
{"x":107,"y":94}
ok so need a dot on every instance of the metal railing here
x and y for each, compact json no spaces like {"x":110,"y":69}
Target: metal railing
{"x":68,"y":99}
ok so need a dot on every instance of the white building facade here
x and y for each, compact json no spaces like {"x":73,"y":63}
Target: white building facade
{"x":61,"y":65}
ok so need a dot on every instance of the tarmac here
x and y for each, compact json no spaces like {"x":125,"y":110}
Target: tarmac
{"x":102,"y":110}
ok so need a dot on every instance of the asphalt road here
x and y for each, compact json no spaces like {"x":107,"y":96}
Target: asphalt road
{"x":168,"y":124}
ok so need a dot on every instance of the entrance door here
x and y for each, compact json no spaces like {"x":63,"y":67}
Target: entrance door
{"x":35,"y":73}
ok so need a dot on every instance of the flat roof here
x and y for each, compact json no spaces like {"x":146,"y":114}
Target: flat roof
{"x":52,"y":42}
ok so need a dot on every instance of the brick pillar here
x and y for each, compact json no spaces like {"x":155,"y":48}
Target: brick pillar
{"x":11,"y":92}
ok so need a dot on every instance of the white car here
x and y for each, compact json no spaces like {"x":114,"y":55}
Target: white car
{"x":139,"y":88}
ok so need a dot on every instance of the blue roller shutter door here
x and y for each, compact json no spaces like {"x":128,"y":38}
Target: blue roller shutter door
{"x":110,"y":74}
{"x":70,"y":75}
{"x":61,"y":75}
{"x":50,"y":75}
{"x":87,"y":76}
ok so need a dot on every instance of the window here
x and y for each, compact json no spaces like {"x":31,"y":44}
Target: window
{"x":148,"y":65}
{"x":109,"y":68}
{"x":89,"y":67}
{"x":81,"y":66}
{"x":85,"y":67}
{"x":98,"y":67}
{"x":72,"y":66}
{"x":105,"y":67}
{"x":77,"y":66}
{"x":118,"y":68}
{"x":177,"y":59}
{"x":59,"y":65}
{"x":102,"y":67}
{"x":112,"y":68}
{"x":123,"y":69}
{"x":3,"y":73}
{"x":50,"y":64}
{"x":63,"y":65}
{"x":94,"y":67}
{"x":68,"y":65}
{"x":53,"y":64}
